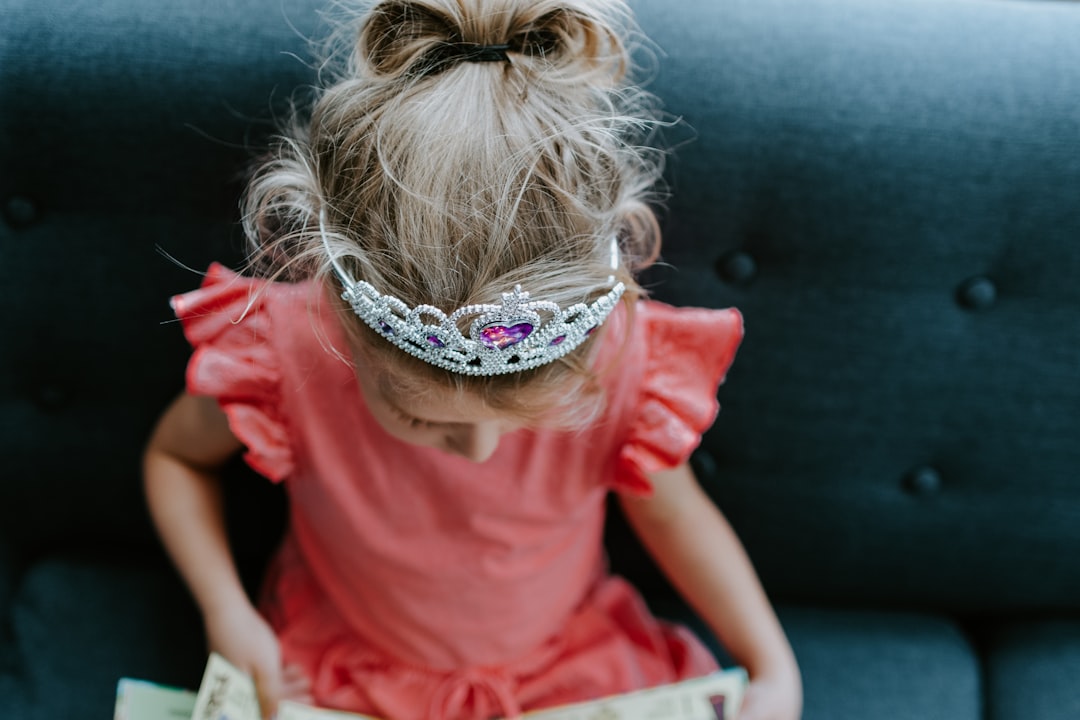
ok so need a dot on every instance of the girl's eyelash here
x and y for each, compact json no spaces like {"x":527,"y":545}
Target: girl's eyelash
{"x":411,"y":421}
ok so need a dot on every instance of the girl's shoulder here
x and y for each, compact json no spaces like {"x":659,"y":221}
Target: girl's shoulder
{"x":250,"y":308}
{"x":706,"y":338}
{"x":667,"y":364}
{"x":657,"y":339}
{"x":230,"y":324}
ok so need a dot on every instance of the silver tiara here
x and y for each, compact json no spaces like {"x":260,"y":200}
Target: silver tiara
{"x":517,"y":334}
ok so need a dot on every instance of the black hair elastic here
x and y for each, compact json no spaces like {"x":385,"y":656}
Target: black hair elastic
{"x":447,"y":54}
{"x":472,"y":52}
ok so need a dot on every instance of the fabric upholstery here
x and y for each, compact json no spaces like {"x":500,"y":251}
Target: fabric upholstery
{"x":874,"y":664}
{"x":79,"y":620}
{"x":1032,"y":669}
{"x":887,"y":189}
{"x":870,"y":162}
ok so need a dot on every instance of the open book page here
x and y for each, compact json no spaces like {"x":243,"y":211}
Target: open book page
{"x":296,"y":711}
{"x":225,"y":693}
{"x":140,"y":700}
{"x":229,"y":694}
{"x":713,"y":697}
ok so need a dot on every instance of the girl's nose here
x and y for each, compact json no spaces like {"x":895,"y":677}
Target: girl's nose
{"x":476,"y":441}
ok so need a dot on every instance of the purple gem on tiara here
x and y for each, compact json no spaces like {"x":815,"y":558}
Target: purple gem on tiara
{"x":499,"y":337}
{"x":385,"y":327}
{"x":435,"y":341}
{"x":557,"y":341}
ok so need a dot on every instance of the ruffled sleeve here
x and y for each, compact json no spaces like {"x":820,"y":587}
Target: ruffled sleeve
{"x":227,"y":324}
{"x":689,"y":351}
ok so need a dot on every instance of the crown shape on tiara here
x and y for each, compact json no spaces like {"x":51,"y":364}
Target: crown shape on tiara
{"x":516,"y":334}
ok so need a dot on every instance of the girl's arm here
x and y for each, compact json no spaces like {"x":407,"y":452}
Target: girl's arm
{"x":695,"y":546}
{"x":191,"y":442}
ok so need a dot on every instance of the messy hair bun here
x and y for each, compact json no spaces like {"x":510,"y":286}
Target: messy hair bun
{"x":408,"y":37}
{"x":448,"y":182}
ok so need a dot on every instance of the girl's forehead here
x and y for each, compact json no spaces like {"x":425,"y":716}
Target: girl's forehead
{"x":439,"y":404}
{"x":445,"y":406}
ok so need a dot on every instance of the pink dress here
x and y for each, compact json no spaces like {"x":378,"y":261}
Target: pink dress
{"x":417,"y":585}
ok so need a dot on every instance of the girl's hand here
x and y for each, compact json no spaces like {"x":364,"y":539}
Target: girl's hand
{"x":243,"y":637}
{"x":776,"y":697}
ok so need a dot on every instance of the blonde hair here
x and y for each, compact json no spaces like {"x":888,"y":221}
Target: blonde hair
{"x":448,"y":183}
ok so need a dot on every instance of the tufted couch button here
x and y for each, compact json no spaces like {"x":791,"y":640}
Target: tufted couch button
{"x":976,"y":293}
{"x":923,"y":481}
{"x":703,"y":464}
{"x":737,"y":267}
{"x":20,"y":211}
{"x":52,"y":398}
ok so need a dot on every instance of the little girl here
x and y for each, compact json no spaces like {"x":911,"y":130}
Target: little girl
{"x":446,"y":359}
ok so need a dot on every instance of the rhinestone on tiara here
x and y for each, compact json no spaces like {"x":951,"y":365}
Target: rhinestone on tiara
{"x":516,"y":334}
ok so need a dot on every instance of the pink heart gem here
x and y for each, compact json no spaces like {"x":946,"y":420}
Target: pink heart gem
{"x":502,"y":336}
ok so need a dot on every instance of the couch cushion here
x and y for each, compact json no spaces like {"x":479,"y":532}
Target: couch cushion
{"x":80,"y":624}
{"x":867,"y":665}
{"x":1033,"y":670}
{"x":878,"y":665}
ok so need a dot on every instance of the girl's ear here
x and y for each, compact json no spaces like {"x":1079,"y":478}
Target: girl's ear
{"x":640,"y":236}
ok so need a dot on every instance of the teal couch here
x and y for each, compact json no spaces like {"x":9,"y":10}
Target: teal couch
{"x":889,"y":190}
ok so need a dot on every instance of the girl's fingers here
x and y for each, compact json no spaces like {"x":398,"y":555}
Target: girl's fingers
{"x":293,"y":672}
{"x":295,"y":685}
{"x":302,"y":699}
{"x":268,"y":687}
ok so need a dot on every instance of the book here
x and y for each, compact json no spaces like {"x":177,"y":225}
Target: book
{"x":226,"y":693}
{"x":142,"y":700}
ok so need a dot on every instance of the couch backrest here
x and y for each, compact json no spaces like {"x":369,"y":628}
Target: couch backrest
{"x":125,"y":130}
{"x":890,"y":191}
